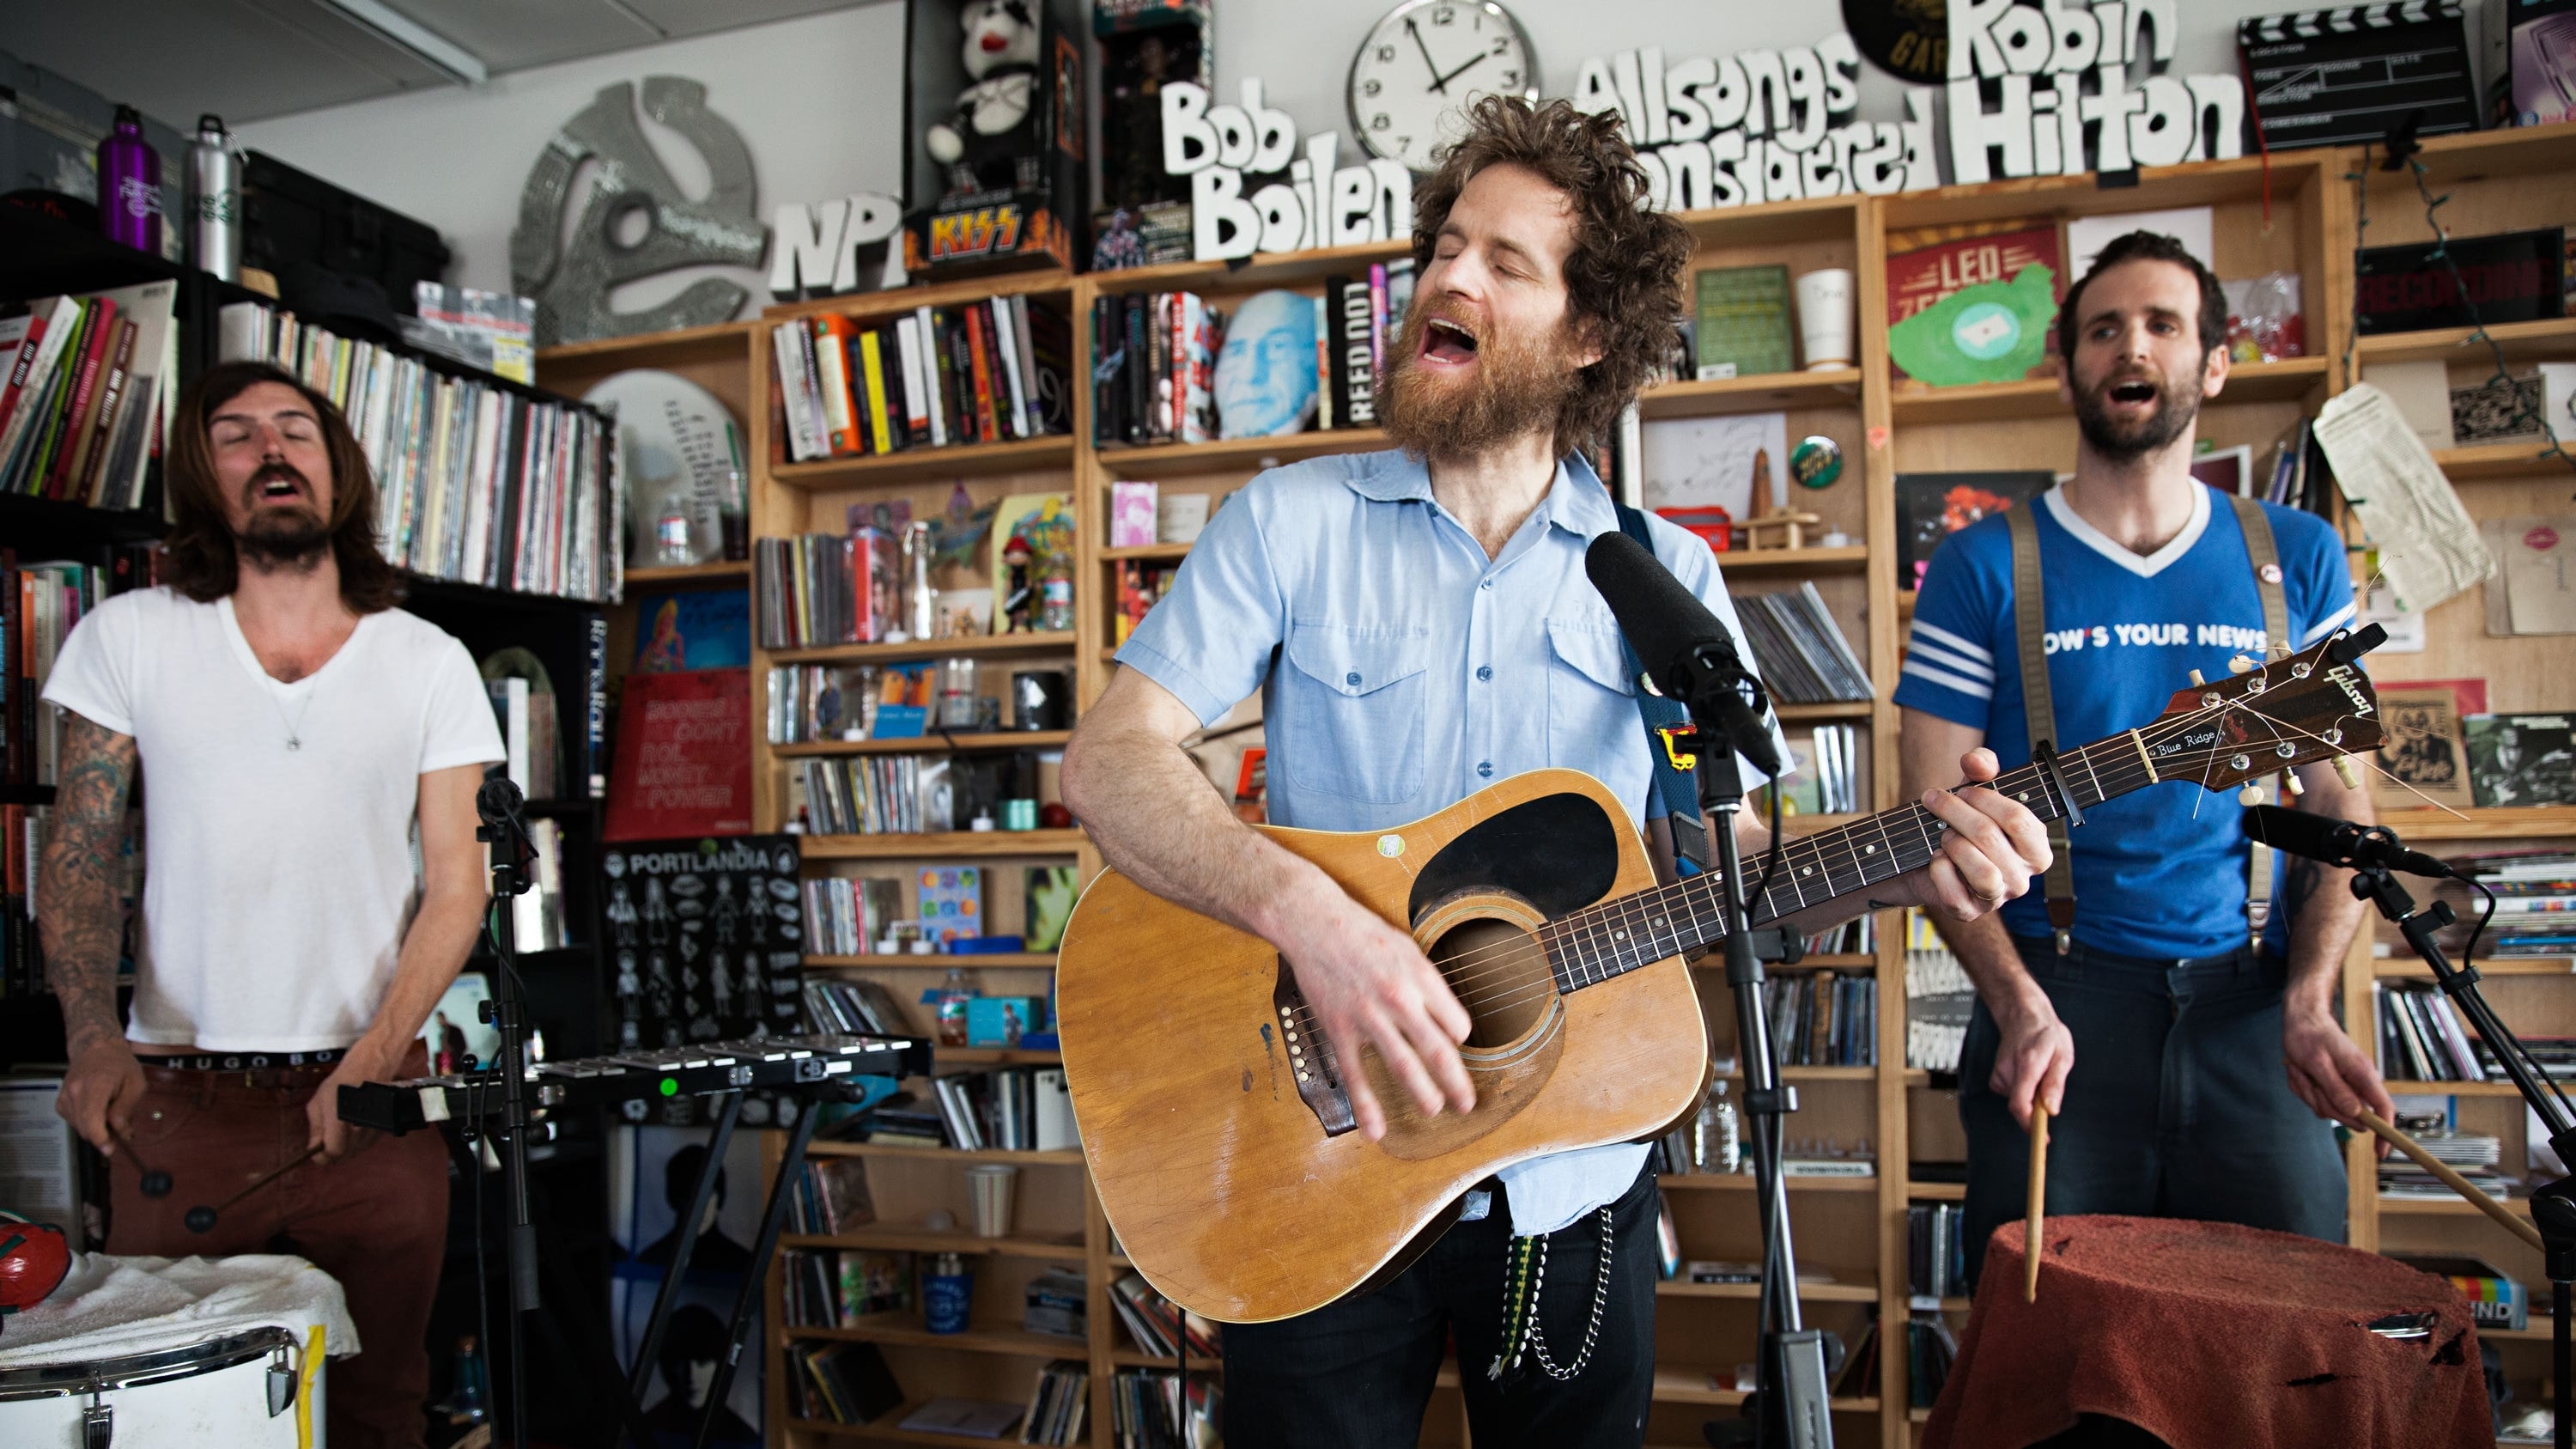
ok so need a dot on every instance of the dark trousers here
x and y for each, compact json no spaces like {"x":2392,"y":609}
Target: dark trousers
{"x":377,"y":1221}
{"x":2178,"y":1105}
{"x":1357,"y":1373}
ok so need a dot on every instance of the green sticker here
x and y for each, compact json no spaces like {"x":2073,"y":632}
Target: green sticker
{"x":1991,"y":332}
{"x":1816,"y":462}
{"x":670,"y":1086}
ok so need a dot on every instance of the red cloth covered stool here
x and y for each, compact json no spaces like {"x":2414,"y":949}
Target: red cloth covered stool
{"x":2209,"y":1336}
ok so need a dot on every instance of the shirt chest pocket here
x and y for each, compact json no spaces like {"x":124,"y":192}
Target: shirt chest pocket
{"x":1350,"y":712}
{"x":1591,"y":701}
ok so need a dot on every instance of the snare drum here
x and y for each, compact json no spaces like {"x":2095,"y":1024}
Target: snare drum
{"x":236,"y":1391}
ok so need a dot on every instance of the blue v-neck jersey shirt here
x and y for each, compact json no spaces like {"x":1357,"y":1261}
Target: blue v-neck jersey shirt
{"x":2160,"y":872}
{"x":1401,"y":671}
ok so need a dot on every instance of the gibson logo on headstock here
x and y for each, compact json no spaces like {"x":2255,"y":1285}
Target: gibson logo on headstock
{"x":2345,"y":679}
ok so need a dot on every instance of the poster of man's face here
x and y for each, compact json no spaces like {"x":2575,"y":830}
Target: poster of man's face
{"x":662,"y":1168}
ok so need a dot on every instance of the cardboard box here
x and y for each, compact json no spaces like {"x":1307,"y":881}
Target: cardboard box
{"x":1016,"y":197}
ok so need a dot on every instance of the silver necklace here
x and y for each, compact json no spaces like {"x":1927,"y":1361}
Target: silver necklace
{"x":295,"y":726}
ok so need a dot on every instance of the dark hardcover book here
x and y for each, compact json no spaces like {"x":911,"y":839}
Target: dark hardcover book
{"x":867,"y":1388}
{"x":1932,"y":506}
{"x":1051,"y":352}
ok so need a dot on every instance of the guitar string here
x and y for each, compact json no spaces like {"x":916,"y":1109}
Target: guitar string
{"x":1622,"y":958}
{"x":1585,"y":927}
{"x":1617,"y":955}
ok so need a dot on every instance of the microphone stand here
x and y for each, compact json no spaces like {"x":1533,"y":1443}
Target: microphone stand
{"x":2553,"y":1205}
{"x":1791,"y":1405}
{"x":511,"y":854}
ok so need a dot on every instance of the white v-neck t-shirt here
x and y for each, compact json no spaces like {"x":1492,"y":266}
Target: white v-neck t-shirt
{"x":277,"y":881}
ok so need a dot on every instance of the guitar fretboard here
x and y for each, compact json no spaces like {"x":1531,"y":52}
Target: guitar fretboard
{"x":1601,"y":941}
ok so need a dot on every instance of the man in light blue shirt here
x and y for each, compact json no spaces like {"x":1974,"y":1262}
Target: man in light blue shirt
{"x":1420,"y":626}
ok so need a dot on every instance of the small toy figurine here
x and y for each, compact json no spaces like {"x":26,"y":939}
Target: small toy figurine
{"x":986,"y":143}
{"x":1023,"y":595}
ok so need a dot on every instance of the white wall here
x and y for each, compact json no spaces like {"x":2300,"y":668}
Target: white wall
{"x":819,"y":102}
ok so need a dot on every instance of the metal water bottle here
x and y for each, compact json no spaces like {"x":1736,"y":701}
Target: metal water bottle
{"x":129,"y":185}
{"x":215,"y":200}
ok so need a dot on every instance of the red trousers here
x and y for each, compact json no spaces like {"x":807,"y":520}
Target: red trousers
{"x":377,"y":1221}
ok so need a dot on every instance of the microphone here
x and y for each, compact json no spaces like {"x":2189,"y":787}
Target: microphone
{"x":499,"y":803}
{"x":1685,"y":650}
{"x":2339,"y":842}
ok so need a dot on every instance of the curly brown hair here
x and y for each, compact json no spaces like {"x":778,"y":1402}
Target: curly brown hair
{"x":203,"y":559}
{"x":1623,"y":277}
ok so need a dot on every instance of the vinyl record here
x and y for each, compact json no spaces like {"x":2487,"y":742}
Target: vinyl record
{"x":1908,"y":39}
{"x":682,"y":455}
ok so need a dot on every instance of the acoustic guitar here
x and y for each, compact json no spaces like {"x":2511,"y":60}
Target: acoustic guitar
{"x":1216,"y":1118}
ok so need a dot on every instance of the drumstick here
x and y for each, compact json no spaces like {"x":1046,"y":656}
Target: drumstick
{"x":2452,"y":1180}
{"x":202,"y":1219}
{"x":2038,"y":1208}
{"x":155,"y":1183}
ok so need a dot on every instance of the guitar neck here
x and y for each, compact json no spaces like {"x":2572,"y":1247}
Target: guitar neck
{"x":1612,"y":937}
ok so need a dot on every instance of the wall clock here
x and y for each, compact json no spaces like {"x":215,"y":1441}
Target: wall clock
{"x":1421,"y":67}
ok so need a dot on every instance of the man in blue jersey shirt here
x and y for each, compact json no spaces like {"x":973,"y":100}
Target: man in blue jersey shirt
{"x":2189,"y":1067}
{"x":1419,"y":626}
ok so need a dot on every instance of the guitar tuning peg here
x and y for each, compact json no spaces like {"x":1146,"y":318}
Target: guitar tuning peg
{"x":2345,"y":772}
{"x":2196,"y":679}
{"x":2240,"y":664}
{"x":2291,"y":782}
{"x":2252,"y":794}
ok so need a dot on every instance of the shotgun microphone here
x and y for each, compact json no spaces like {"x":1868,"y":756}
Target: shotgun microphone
{"x":1685,"y":650}
{"x":2339,"y":842}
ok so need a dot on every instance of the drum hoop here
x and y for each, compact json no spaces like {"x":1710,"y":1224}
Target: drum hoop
{"x":129,"y":1371}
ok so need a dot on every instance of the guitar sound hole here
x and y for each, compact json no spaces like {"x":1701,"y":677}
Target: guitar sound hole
{"x":1499,"y":972}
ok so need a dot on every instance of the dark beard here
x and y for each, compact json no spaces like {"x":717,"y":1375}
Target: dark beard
{"x":282,"y":541}
{"x":1518,"y":387}
{"x":2177,"y":408}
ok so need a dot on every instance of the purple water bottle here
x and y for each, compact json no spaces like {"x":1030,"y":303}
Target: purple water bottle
{"x":129,"y":185}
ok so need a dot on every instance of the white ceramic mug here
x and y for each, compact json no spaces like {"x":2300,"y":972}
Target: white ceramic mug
{"x":1825,"y":317}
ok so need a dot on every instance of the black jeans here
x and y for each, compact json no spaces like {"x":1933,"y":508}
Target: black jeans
{"x":2178,"y":1105}
{"x":1356,"y":1374}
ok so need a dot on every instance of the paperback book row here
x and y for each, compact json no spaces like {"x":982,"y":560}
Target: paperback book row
{"x":40,"y":603}
{"x":2535,"y":904}
{"x":1157,"y":1325}
{"x":834,"y":588}
{"x":477,"y":481}
{"x":830,"y":1195}
{"x":2474,"y":1155}
{"x":1153,"y":1409}
{"x":1160,"y":360}
{"x":1802,"y":653}
{"x":1936,"y":1252}
{"x":2423,"y":1039}
{"x":877,"y":794}
{"x":991,"y":371}
{"x":1823,"y":1019}
{"x":86,"y":387}
{"x":1058,"y":1404}
{"x":837,"y":1287}
{"x":1939,"y":999}
{"x":1008,"y":1109}
{"x":838,"y":1383}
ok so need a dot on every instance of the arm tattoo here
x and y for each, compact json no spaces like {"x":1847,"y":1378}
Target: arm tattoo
{"x":77,"y":885}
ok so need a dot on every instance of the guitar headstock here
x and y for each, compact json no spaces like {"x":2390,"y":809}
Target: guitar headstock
{"x":2314,"y":705}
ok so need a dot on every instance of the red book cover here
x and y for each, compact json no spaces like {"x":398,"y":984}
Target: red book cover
{"x":84,"y":397}
{"x":22,"y":362}
{"x":1921,"y":278}
{"x":977,"y":328}
{"x":683,"y":763}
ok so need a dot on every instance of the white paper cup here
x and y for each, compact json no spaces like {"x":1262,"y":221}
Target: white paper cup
{"x":1825,"y":317}
{"x":989,"y":1186}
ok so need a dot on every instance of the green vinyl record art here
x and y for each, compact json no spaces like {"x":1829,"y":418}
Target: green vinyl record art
{"x":1991,"y":332}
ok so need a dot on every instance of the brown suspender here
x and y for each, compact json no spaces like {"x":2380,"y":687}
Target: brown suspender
{"x":2039,"y":711}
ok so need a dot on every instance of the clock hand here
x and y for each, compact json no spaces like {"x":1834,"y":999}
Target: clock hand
{"x":1442,"y":84}
{"x":1439,"y":82}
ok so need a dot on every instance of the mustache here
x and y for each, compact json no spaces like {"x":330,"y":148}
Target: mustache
{"x":276,"y":470}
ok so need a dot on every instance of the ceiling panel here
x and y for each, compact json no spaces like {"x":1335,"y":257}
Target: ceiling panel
{"x":706,"y":17}
{"x":526,"y":33}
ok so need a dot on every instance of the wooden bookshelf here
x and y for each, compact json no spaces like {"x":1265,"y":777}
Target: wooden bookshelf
{"x":1854,"y":1225}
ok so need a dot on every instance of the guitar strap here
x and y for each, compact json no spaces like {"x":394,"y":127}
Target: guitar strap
{"x":2030,"y":629}
{"x":1676,"y":781}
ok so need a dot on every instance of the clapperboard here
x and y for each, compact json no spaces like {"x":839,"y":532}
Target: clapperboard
{"x":2352,"y":74}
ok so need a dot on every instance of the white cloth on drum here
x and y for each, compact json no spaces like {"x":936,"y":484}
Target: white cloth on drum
{"x":107,"y":1307}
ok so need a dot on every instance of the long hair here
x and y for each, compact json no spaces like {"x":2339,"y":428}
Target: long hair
{"x":1623,"y":277}
{"x":203,"y":560}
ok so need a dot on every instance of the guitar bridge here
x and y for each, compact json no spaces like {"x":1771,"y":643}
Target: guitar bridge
{"x":1319,"y":1071}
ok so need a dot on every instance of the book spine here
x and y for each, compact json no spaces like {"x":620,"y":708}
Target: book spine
{"x":80,"y":375}
{"x":916,"y":406}
{"x":594,"y":764}
{"x":1012,"y":394}
{"x":1377,"y":319}
{"x":872,"y":358}
{"x":91,"y":464}
{"x":1323,"y":368}
{"x":926,"y":333}
{"x":840,"y":404}
{"x":978,"y":354}
{"x":1031,"y":423}
{"x":22,"y":361}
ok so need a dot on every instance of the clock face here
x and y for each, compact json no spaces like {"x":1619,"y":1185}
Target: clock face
{"x":1424,"y":64}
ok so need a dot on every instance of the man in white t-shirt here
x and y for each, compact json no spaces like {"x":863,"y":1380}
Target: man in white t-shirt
{"x":300,"y":734}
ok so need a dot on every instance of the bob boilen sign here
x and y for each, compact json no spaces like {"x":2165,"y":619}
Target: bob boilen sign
{"x":2032,"y":90}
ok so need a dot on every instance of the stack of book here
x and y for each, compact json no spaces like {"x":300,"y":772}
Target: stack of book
{"x":827,"y":588}
{"x":1154,"y":367}
{"x":840,"y":1383}
{"x":1855,"y":937}
{"x":1802,"y":652}
{"x":86,"y":384}
{"x":2473,"y":1155}
{"x":830,"y":1195}
{"x":853,"y":1007}
{"x":876,"y":794}
{"x":477,"y":481}
{"x":1821,"y":1019}
{"x":1151,"y":1409}
{"x":990,"y":371}
{"x":844,"y":916}
{"x":1939,"y":998}
{"x":1011,"y":1109}
{"x":40,"y":603}
{"x":2535,"y":898}
{"x":1826,"y":779}
{"x":1057,"y":1404}
{"x":835,"y":1288}
{"x":2421,"y":1036}
{"x":1936,"y":1252}
{"x":1157,"y":1325}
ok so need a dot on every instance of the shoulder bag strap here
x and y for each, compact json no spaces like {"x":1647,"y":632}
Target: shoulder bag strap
{"x":2030,"y":628}
{"x":1676,"y":782}
{"x":2265,"y":558}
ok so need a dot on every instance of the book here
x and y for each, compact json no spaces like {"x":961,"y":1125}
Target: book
{"x":1742,"y":321}
{"x":683,"y":762}
{"x":1354,"y":371}
{"x":831,"y":341}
